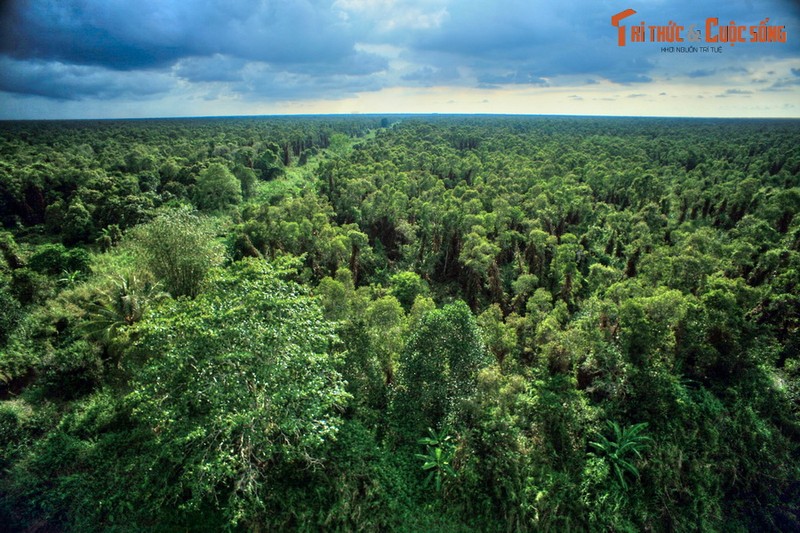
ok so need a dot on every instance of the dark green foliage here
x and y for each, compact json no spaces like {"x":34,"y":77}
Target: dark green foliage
{"x":438,"y":371}
{"x":247,"y":179}
{"x":71,"y":371}
{"x":406,"y":286}
{"x":217,"y":188}
{"x":9,"y":312}
{"x":597,"y":319}
{"x":14,"y":429}
{"x":29,"y":287}
{"x":268,"y":163}
{"x":117,"y":306}
{"x":10,"y":251}
{"x":77,"y":223}
{"x":55,"y":259}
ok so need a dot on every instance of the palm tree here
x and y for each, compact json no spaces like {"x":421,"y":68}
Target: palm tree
{"x":119,"y":306}
{"x":617,"y":452}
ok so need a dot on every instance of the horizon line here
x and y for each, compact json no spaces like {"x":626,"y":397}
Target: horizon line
{"x":397,"y":114}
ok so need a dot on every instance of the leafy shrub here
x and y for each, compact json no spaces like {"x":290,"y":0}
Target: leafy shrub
{"x":178,"y":248}
{"x":71,"y":371}
{"x":56,"y":259}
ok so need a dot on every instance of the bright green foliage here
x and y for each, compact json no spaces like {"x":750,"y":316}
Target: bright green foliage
{"x":478,"y":253}
{"x":438,"y":457}
{"x":336,"y":296}
{"x":386,"y":328}
{"x":500,"y":338}
{"x":601,"y":277}
{"x":649,"y":325}
{"x":77,"y":224}
{"x":406,"y":286}
{"x":217,"y":188}
{"x":119,"y":305}
{"x":177,"y":247}
{"x":422,"y":306}
{"x":619,"y":450}
{"x":235,"y":382}
{"x":339,"y":143}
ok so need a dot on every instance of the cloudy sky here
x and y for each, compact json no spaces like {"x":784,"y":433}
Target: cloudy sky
{"x":151,"y":58}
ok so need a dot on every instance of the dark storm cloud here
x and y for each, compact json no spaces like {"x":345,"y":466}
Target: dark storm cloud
{"x":219,"y":68}
{"x":210,"y":69}
{"x":527,"y":41}
{"x":517,"y":41}
{"x":355,"y":64}
{"x":76,"y":82}
{"x":128,"y":35}
{"x":75,"y":49}
{"x":504,"y":30}
{"x":264,"y":83}
{"x":198,"y":42}
{"x":576,"y":38}
{"x":77,"y":32}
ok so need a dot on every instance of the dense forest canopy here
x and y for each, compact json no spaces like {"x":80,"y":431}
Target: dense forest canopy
{"x":421,"y":323}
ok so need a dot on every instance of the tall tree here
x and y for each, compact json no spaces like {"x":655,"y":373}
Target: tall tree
{"x":237,"y":386}
{"x":438,"y":371}
{"x":178,"y":247}
{"x":217,"y":188}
